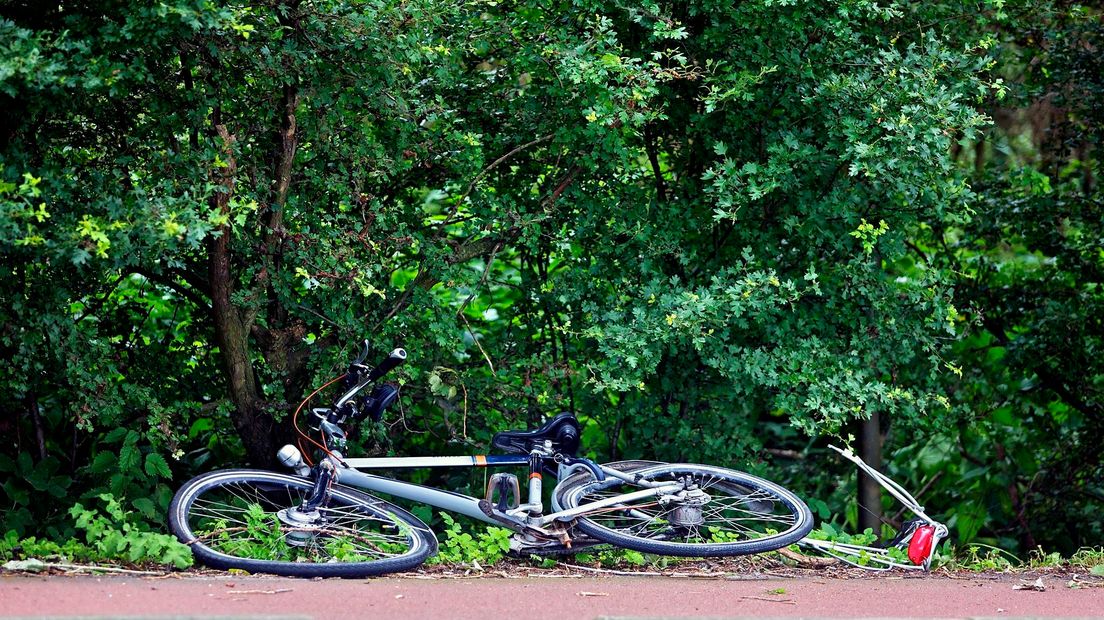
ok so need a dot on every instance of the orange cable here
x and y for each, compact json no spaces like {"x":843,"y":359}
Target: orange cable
{"x":295,"y":419}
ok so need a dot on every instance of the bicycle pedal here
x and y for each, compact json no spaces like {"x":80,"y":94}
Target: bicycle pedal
{"x":508,"y":490}
{"x":493,"y":512}
{"x":518,"y":524}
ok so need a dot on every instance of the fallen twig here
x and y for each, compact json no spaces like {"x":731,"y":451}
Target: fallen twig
{"x":35,"y":566}
{"x":807,"y":560}
{"x":276,"y":591}
{"x":609,"y":571}
{"x":778,"y":575}
{"x":787,"y":601}
{"x":165,"y":576}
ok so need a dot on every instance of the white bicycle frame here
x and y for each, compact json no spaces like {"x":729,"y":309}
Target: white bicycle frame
{"x":525,"y":517}
{"x":531,"y":512}
{"x":879,"y":559}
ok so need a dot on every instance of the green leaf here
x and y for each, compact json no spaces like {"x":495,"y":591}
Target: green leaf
{"x":177,"y":555}
{"x":129,"y":458}
{"x":115,"y":435}
{"x":145,"y":506}
{"x":102,"y":462}
{"x":156,"y":466}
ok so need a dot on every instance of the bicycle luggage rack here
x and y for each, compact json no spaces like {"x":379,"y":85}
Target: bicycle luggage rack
{"x":920,"y":536}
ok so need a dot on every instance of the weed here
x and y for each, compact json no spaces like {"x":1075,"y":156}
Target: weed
{"x":485,"y":548}
{"x":979,"y":557}
{"x":543,"y":562}
{"x":1040,"y":559}
{"x":114,"y":533}
{"x":111,"y":534}
{"x":1090,"y":558}
{"x":866,"y":539}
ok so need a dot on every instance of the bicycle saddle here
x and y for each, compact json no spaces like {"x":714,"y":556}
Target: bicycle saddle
{"x":562,"y":430}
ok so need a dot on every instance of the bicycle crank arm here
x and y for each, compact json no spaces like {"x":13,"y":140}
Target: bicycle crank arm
{"x":515,"y":523}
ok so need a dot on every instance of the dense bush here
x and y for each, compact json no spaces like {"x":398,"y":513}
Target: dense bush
{"x":701,"y":225}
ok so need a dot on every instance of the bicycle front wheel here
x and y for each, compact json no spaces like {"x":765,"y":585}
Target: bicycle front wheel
{"x":251,"y":520}
{"x":706,"y":511}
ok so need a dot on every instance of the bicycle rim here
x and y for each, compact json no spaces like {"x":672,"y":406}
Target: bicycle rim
{"x":250,"y":520}
{"x":714,"y":512}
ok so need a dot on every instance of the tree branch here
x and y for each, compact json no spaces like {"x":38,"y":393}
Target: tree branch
{"x":495,"y":164}
{"x":183,"y":291}
{"x":653,"y":159}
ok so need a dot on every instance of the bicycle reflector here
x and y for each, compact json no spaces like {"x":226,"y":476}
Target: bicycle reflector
{"x":920,"y":546}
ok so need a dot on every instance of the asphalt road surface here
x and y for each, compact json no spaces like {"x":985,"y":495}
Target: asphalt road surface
{"x":535,"y":598}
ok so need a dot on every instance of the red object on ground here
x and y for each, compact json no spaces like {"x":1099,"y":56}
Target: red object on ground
{"x":920,"y":546}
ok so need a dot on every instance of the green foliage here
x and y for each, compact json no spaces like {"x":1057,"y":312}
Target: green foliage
{"x":1019,"y":464}
{"x":380,"y":224}
{"x":12,"y":547}
{"x":866,"y":538}
{"x":263,"y":537}
{"x":111,"y":534}
{"x":978,"y":557}
{"x":485,"y":548}
{"x":615,"y":557}
{"x":706,"y":228}
{"x":1091,"y":558}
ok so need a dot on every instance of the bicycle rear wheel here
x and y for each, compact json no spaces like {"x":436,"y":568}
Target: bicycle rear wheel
{"x":710,"y":511}
{"x":250,"y":520}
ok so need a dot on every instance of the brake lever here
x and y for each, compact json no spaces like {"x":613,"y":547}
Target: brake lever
{"x":363,"y":355}
{"x":355,"y":375}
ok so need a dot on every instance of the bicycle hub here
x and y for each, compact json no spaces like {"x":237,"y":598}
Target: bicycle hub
{"x":687,"y":511}
{"x":304,"y":526}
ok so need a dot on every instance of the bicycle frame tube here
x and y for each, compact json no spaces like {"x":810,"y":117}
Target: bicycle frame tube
{"x":466,"y":504}
{"x":571,"y":513}
{"x":410,"y":462}
{"x":446,"y":500}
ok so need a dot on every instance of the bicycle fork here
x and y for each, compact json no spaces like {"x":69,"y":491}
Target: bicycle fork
{"x":304,"y":521}
{"x":324,"y":475}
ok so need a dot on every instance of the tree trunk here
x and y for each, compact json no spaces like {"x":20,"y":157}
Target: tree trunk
{"x":253,"y":423}
{"x":870,"y":492}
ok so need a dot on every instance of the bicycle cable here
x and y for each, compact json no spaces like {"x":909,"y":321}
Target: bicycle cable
{"x":295,"y":422}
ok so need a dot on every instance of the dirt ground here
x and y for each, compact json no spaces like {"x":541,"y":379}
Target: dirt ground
{"x":564,"y":593}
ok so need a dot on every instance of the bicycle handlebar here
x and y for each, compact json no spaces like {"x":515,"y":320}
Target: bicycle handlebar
{"x":389,"y":363}
{"x":355,"y":381}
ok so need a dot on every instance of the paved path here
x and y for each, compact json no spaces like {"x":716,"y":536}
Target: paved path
{"x":543,"y":598}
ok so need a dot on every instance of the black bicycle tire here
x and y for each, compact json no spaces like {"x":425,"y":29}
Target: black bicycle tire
{"x":583,"y":475}
{"x":186,"y":495}
{"x":570,"y":491}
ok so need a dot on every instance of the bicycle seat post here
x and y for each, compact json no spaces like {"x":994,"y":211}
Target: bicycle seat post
{"x":536,"y":465}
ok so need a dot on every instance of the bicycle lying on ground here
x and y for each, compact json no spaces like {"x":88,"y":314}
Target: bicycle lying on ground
{"x":316,"y":523}
{"x":918,"y":538}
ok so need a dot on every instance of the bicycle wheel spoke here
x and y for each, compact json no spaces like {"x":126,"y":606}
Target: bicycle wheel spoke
{"x":258,"y":518}
{"x":220,"y":511}
{"x":720,"y":512}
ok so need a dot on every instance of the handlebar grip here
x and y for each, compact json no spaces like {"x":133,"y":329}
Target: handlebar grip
{"x":398,"y":356}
